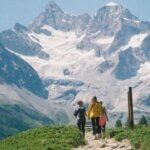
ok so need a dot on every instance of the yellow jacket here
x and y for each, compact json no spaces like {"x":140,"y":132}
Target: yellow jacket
{"x":94,"y":110}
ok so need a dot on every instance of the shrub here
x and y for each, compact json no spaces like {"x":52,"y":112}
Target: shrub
{"x":143,"y":121}
{"x":118,"y":124}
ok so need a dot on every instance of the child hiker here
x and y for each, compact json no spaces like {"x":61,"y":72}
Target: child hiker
{"x":80,"y":114}
{"x":103,"y":119}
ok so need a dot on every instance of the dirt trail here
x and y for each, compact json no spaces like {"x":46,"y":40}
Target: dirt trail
{"x":104,"y":144}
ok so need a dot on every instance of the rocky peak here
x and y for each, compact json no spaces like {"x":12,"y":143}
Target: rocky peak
{"x":114,"y":12}
{"x":52,"y":6}
{"x":108,"y":19}
{"x":20,"y":28}
{"x":52,"y":16}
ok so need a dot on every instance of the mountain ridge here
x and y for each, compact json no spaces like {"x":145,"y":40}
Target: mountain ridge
{"x":14,"y":70}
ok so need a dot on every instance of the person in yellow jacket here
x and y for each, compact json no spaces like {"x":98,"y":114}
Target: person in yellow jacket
{"x":94,"y":112}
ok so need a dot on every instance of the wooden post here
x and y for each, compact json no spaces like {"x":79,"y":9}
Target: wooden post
{"x":130,"y":109}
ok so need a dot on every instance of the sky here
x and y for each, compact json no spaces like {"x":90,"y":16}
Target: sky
{"x":24,"y":11}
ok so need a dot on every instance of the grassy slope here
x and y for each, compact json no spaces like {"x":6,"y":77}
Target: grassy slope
{"x":15,"y":118}
{"x":139,"y":137}
{"x":44,"y":138}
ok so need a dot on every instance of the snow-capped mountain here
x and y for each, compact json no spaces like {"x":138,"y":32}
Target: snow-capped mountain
{"x":81,"y":56}
{"x":17,"y":40}
{"x":57,"y":19}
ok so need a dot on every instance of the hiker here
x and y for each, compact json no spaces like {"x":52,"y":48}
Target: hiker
{"x":94,"y":112}
{"x":80,"y":114}
{"x":103,"y":119}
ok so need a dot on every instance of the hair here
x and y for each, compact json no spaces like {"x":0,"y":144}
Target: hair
{"x":101,"y":102}
{"x":80,"y":103}
{"x":94,"y":99}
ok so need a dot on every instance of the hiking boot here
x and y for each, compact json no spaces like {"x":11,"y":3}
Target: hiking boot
{"x":99,"y":136}
{"x":94,"y":137}
{"x":103,"y":135}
